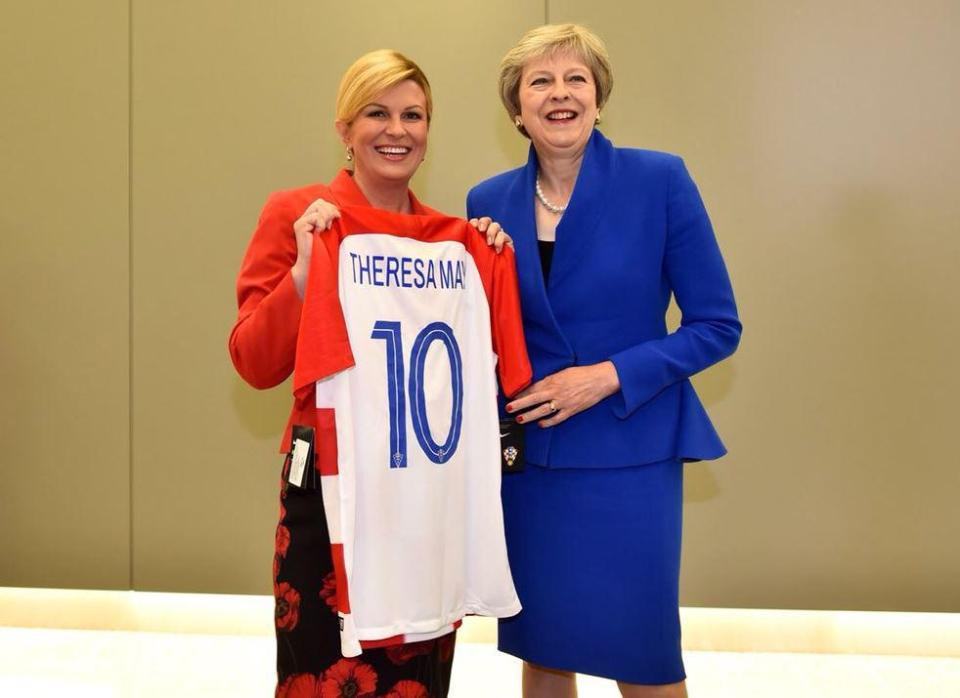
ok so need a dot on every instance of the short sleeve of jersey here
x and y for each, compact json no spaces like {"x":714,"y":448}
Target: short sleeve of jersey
{"x":323,"y":346}
{"x":499,"y":275}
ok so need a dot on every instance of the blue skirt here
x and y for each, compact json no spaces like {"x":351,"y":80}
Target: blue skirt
{"x":595,"y":556}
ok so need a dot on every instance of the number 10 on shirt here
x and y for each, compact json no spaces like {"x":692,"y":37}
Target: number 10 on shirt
{"x":391,"y":332}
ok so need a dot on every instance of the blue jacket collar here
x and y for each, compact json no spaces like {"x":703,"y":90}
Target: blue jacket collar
{"x":584,"y":209}
{"x":586,"y":206}
{"x":574,"y":233}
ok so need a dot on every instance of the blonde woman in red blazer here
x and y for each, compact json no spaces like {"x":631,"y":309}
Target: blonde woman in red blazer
{"x":384,"y":107}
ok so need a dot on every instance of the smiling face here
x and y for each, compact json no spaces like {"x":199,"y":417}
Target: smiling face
{"x":558,"y":103}
{"x":389,"y":135}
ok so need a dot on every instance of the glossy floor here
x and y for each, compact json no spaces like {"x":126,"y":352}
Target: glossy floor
{"x":115,"y":644}
{"x":100,"y":663}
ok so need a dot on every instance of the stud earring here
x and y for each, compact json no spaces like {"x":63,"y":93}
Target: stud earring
{"x":597,"y":120}
{"x":518,"y":122}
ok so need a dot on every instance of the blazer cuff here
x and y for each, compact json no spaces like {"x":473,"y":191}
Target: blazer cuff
{"x":640,"y":379}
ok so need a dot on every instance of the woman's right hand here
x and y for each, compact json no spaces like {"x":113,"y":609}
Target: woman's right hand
{"x":496,"y":236}
{"x":318,"y":217}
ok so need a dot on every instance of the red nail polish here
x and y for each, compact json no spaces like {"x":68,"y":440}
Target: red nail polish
{"x":509,"y":408}
{"x":520,"y":419}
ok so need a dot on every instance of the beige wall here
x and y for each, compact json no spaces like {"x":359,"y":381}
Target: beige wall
{"x":823,"y":137}
{"x":64,"y":308}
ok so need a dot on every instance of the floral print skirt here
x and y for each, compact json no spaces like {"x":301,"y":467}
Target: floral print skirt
{"x":309,"y":663}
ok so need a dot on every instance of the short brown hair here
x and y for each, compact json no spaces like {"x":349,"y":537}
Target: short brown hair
{"x":373,"y":73}
{"x":546,"y":40}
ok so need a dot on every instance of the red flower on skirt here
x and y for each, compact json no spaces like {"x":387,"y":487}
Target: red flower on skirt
{"x":283,"y":540}
{"x":401,"y":654}
{"x":329,"y":591}
{"x":287,"y":610}
{"x":299,"y":686}
{"x":348,"y":678}
{"x":408,"y":689}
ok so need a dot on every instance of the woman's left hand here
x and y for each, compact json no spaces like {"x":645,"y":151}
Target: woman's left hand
{"x":563,"y":394}
{"x":496,"y":235}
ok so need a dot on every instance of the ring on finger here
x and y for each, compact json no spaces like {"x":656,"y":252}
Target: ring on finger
{"x":553,"y":405}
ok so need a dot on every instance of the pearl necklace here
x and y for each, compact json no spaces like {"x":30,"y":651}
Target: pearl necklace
{"x":547,"y":204}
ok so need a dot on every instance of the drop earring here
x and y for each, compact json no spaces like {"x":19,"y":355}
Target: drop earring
{"x":349,"y":153}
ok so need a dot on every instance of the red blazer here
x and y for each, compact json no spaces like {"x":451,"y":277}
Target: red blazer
{"x":264,"y":338}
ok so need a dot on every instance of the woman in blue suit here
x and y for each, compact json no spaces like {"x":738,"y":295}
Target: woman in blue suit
{"x":603,"y":237}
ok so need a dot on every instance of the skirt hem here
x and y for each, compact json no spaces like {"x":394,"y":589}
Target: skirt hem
{"x":656,"y":680}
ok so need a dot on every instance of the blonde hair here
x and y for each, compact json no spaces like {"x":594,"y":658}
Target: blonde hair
{"x":550,"y":39}
{"x":373,"y":73}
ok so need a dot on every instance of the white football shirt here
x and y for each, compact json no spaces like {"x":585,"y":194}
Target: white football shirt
{"x":398,"y":335}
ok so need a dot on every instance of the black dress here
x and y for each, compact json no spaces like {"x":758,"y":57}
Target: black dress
{"x":309,"y":663}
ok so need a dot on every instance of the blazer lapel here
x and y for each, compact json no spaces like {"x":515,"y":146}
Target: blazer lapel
{"x":520,"y":221}
{"x":575,"y":231}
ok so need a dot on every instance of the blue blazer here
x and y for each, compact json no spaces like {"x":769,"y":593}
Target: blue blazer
{"x":634,"y":232}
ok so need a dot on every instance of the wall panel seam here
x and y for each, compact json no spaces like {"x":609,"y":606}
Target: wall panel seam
{"x":130,"y":289}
